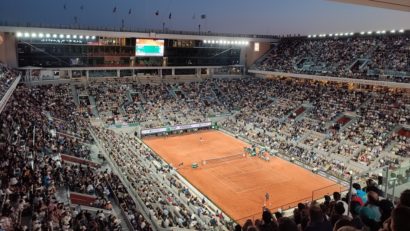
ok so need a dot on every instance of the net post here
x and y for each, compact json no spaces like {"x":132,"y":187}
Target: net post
{"x":387,"y":181}
{"x":313,"y":192}
{"x":349,"y":199}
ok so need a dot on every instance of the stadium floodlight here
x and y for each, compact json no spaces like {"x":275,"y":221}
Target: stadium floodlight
{"x":362,"y":33}
{"x":378,"y":32}
{"x":337,"y":34}
{"x":75,"y":36}
{"x":87,"y":37}
{"x":383,"y":32}
{"x":346,"y":34}
{"x":369,"y":32}
{"x":61,"y":36}
{"x":33,"y":35}
{"x":330,"y":35}
{"x":93,"y":37}
{"x":48,"y":35}
{"x":204,"y":41}
{"x":401,"y":31}
{"x":81,"y":37}
{"x":219,"y":41}
{"x":68,"y":36}
{"x":26,"y":35}
{"x":19,"y":34}
{"x":247,"y":43}
{"x":40,"y":35}
{"x":314,"y":36}
{"x":309,"y":36}
{"x":351,"y":33}
{"x":213,"y":41}
{"x":393,"y":31}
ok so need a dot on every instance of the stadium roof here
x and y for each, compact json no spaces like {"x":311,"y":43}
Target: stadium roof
{"x":402,"y":5}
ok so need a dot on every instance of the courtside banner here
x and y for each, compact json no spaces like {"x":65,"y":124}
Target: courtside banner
{"x":175,"y":128}
{"x":153,"y":131}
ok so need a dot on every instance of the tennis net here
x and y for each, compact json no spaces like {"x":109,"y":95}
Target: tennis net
{"x":223,"y":159}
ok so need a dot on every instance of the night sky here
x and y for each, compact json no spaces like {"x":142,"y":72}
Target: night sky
{"x":235,"y":16}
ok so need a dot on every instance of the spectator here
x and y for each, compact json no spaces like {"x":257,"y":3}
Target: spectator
{"x":317,"y":221}
{"x":400,"y":219}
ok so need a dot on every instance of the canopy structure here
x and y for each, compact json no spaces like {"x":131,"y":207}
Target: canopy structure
{"x":402,"y":5}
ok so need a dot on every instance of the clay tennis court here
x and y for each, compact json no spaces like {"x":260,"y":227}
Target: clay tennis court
{"x":238,"y":186}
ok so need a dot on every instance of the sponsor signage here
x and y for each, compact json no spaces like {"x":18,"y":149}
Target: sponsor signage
{"x":175,"y":128}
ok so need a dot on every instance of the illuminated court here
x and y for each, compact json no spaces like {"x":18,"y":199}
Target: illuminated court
{"x":238,"y":186}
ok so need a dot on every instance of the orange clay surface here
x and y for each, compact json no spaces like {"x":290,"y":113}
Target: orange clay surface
{"x":238,"y":187}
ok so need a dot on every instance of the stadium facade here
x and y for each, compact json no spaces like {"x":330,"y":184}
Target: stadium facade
{"x":52,"y":53}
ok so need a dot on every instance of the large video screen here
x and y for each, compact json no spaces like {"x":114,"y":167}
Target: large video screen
{"x":149,"y":47}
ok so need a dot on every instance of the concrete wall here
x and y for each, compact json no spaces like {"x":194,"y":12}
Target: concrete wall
{"x":8,"y":49}
{"x":251,"y":55}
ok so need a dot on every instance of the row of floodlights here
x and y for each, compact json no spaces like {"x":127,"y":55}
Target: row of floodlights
{"x":226,"y":42}
{"x":351,"y":33}
{"x":55,"y":36}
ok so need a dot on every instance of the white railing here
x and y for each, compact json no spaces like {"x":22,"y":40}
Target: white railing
{"x":333,"y":79}
{"x":8,"y":94}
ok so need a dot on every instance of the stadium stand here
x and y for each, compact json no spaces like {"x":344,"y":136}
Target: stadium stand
{"x":52,"y":180}
{"x":377,"y":57}
{"x":294,"y":109}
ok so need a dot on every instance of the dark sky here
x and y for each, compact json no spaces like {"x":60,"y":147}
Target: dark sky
{"x":235,"y":16}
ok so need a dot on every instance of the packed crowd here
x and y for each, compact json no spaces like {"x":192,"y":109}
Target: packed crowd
{"x":355,"y":57}
{"x":367,"y":211}
{"x":278,"y":113}
{"x":41,"y":123}
{"x":7,"y":76}
{"x":38,"y":125}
